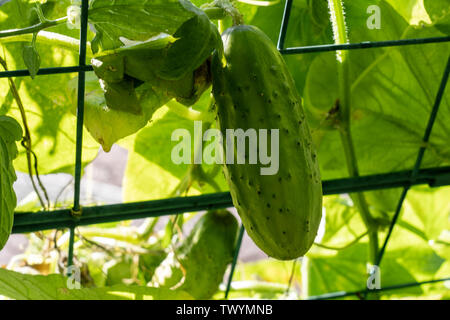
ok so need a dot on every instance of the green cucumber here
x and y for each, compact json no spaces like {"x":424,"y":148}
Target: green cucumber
{"x":204,"y":255}
{"x":253,"y":89}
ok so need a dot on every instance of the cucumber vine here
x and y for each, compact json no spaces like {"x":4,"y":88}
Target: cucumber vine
{"x":341,"y":37}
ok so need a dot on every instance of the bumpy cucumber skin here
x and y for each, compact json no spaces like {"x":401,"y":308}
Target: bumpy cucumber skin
{"x":204,"y":255}
{"x":280,"y":212}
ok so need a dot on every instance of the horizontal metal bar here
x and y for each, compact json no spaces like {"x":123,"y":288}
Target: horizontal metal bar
{"x":434,"y":177}
{"x":343,"y":294}
{"x":363,"y":45}
{"x":296,"y":50}
{"x":45,"y":71}
{"x":31,"y":221}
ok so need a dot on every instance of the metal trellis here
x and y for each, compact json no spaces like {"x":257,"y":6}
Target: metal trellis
{"x":78,"y":216}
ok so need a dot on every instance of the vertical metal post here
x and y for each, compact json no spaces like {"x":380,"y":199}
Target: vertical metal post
{"x":284,"y":24}
{"x":236,"y":255}
{"x":80,"y":105}
{"x":80,"y":118}
{"x":70,"y":251}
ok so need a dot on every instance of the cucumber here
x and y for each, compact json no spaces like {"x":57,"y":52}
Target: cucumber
{"x":204,"y":255}
{"x":254,"y":89}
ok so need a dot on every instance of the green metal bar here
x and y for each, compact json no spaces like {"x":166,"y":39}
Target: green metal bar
{"x":31,"y":221}
{"x":80,"y":105}
{"x":298,"y":50}
{"x":343,"y":294}
{"x":235,"y":258}
{"x":45,"y":71}
{"x":415,"y":172}
{"x":363,"y":45}
{"x":284,"y":24}
{"x":70,"y":251}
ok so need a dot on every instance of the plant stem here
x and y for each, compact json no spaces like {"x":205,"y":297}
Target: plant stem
{"x":49,"y":38}
{"x":356,"y":240}
{"x":188,"y":113}
{"x":226,"y":8}
{"x":33,"y":29}
{"x":148,"y":227}
{"x":120,"y":234}
{"x":340,"y":37}
{"x":215,"y":13}
{"x":26,"y":143}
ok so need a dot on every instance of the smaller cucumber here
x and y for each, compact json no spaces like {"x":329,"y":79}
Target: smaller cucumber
{"x":204,"y":256}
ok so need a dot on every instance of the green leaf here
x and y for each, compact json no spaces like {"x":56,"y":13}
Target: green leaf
{"x":148,"y":263}
{"x":439,"y":12}
{"x":18,"y":286}
{"x":137,"y":20}
{"x":10,"y":132}
{"x":32,"y":60}
{"x":346,"y":271}
{"x":386,"y":85}
{"x":45,"y":99}
{"x":197,"y":38}
{"x":342,"y":222}
{"x":137,"y":60}
{"x":121,"y":96}
{"x":410,"y":256}
{"x":412,"y":11}
{"x":326,"y":272}
{"x":108,"y":125}
{"x":122,"y":269}
{"x":429,"y":210}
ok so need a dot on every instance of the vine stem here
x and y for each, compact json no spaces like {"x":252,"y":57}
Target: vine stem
{"x":341,"y":37}
{"x":219,"y":9}
{"x":33,"y":29}
{"x":26,"y":143}
{"x":356,"y":240}
{"x":49,"y":38}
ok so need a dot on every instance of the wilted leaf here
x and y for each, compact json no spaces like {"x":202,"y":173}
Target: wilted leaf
{"x":20,"y":286}
{"x":10,"y":132}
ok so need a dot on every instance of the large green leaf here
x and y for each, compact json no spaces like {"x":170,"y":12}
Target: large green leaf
{"x":429,"y":211}
{"x":410,"y":256}
{"x":439,"y":12}
{"x":10,"y":132}
{"x":45,"y":99}
{"x":393,"y":91}
{"x":18,"y":286}
{"x":346,"y":271}
{"x":137,"y":20}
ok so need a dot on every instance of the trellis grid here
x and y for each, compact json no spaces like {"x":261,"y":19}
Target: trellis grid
{"x":78,"y":216}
